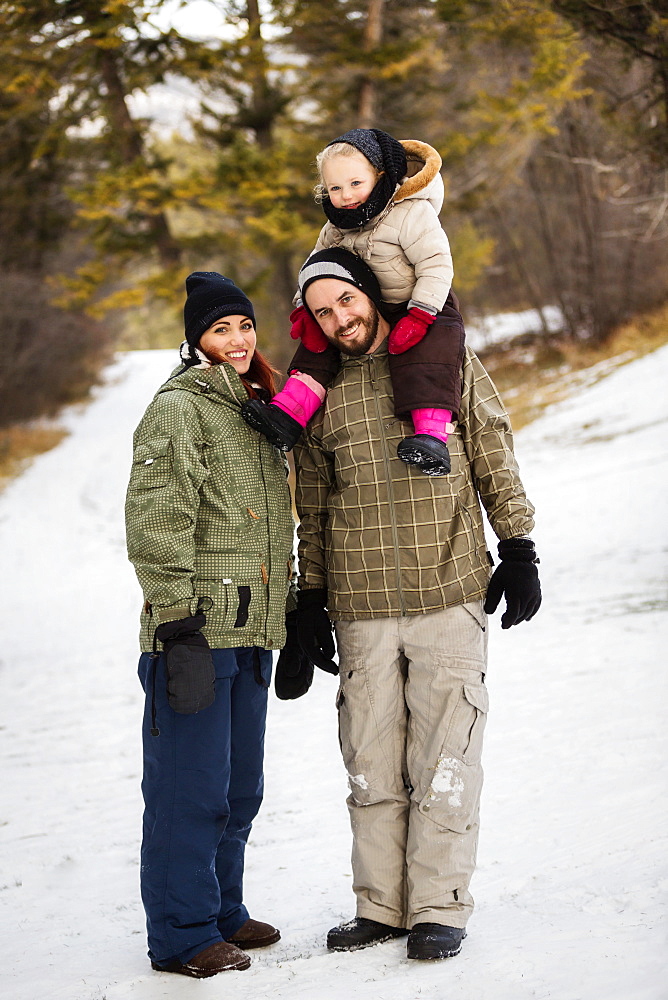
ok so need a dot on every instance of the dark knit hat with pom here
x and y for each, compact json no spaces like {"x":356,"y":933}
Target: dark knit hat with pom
{"x":209,"y":297}
{"x":382,"y":150}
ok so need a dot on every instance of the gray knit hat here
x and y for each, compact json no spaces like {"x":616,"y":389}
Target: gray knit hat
{"x":337,"y":262}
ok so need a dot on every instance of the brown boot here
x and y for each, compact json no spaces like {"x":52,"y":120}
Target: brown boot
{"x":255,"y":934}
{"x":218,"y":957}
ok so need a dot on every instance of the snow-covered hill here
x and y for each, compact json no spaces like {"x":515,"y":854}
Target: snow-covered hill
{"x":572,"y":877}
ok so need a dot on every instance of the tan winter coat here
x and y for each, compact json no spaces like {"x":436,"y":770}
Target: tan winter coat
{"x":382,"y":537}
{"x":405,"y":244}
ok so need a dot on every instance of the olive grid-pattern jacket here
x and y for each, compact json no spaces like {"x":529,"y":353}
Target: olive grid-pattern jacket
{"x":208,"y":514}
{"x":383,"y":538}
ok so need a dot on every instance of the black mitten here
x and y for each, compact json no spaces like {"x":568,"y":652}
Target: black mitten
{"x":516,"y":576}
{"x":191,"y":677}
{"x":315,"y":629}
{"x":294,"y":671}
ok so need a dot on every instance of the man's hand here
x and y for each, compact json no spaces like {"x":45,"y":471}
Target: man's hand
{"x":294,"y":671}
{"x":191,"y":677}
{"x":410,"y":330}
{"x":306,"y":328}
{"x":315,"y":629}
{"x":516,"y":576}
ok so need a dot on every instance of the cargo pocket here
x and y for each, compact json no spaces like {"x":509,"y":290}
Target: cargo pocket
{"x":453,"y":797}
{"x":467,"y":725}
{"x":354,"y":725}
{"x":475,"y":609}
{"x":152,"y":464}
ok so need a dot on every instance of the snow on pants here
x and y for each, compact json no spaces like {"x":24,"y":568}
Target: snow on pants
{"x":412,"y":708}
{"x":202,"y":788}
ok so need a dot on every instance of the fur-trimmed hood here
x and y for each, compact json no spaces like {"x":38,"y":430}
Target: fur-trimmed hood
{"x":423,"y":178}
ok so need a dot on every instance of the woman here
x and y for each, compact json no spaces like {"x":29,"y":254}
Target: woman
{"x":209,"y":531}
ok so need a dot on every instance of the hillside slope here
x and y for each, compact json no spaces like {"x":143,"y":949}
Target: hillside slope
{"x":572,"y":874}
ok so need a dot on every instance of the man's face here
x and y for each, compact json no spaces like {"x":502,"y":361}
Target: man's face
{"x":347,"y":316}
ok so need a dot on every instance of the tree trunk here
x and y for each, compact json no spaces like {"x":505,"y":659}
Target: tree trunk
{"x":284,"y":286}
{"x":557,"y":282}
{"x":261,"y":110}
{"x":130,"y":143}
{"x":373,"y":33}
{"x":531,"y":290}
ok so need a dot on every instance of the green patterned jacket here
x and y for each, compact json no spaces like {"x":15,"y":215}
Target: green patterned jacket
{"x":208,"y":514}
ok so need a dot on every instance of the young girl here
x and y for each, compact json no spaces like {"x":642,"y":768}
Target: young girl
{"x":382,"y":198}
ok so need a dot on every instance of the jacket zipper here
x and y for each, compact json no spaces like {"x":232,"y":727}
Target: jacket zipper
{"x":269,"y":554}
{"x":390,"y":491}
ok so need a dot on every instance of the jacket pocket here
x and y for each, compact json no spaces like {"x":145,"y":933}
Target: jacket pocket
{"x":236,"y":604}
{"x":152,"y":464}
{"x":394,"y":272}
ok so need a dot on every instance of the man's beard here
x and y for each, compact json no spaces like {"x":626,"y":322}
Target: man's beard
{"x":370,"y":323}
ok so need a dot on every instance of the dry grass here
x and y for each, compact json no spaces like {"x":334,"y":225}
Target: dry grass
{"x":535,"y":371}
{"x":21,"y":443}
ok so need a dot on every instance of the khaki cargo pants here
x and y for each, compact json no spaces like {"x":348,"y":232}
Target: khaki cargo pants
{"x":412,"y":707}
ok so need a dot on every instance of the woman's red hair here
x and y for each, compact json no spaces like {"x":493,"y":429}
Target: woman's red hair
{"x":262,"y":374}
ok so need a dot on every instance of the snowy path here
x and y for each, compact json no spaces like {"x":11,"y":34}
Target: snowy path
{"x":572,"y":877}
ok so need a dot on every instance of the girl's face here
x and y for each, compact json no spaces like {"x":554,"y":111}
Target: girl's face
{"x":230,"y":339}
{"x":349,"y":180}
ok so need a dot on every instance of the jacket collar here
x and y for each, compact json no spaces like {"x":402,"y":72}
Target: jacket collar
{"x":380,"y":352}
{"x":221,"y":380}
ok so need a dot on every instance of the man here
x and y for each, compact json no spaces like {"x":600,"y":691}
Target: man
{"x":398,"y":562}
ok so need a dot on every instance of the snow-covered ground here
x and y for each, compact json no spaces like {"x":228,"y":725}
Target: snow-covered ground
{"x":572,"y":877}
{"x":496,"y":328}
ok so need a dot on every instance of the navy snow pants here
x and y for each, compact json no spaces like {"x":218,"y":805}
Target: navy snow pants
{"x":202,"y":788}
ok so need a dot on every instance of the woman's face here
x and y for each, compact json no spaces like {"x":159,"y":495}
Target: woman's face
{"x":230,"y":339}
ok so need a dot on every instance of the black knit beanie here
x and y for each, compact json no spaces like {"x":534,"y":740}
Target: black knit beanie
{"x":381,"y":149}
{"x":385,"y":153}
{"x":210,"y":296}
{"x":337,"y":262}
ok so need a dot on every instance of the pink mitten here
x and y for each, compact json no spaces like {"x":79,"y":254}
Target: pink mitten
{"x":306,"y":329}
{"x":410,"y":330}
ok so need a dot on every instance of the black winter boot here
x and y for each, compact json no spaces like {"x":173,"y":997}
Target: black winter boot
{"x":277,"y":426}
{"x":361,"y":932}
{"x":435,"y":941}
{"x":428,"y":453}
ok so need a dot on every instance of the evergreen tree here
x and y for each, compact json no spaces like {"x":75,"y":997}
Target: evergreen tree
{"x":69,"y":68}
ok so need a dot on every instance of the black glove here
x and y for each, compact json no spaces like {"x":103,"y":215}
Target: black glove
{"x":516,"y":576}
{"x":315,"y":629}
{"x":191,"y":677}
{"x":294,"y":671}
